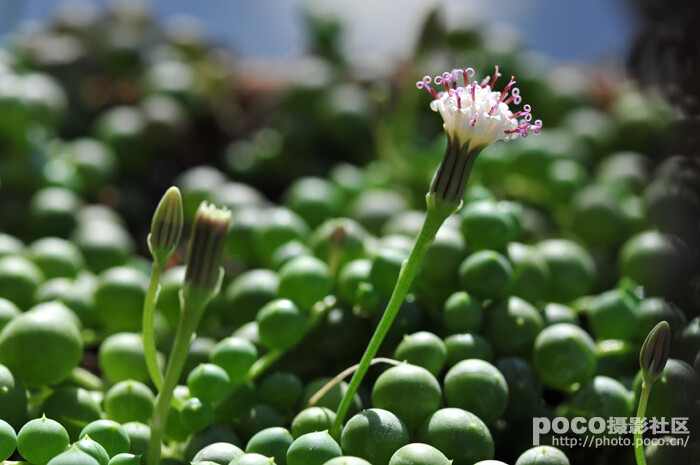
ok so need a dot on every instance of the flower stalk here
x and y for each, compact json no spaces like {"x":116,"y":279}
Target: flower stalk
{"x":166,"y":231}
{"x":474,"y":116}
{"x":203,"y":276}
{"x":434,"y":218}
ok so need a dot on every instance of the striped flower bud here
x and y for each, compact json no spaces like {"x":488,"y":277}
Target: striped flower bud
{"x":655,"y":352}
{"x":204,"y":253}
{"x":166,"y":228}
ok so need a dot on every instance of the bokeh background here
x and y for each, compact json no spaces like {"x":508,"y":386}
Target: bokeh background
{"x":564,"y":30}
{"x":292,"y":113}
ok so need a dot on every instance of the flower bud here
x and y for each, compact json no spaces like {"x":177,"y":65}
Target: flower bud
{"x":166,"y":228}
{"x":204,"y":253}
{"x":655,"y":352}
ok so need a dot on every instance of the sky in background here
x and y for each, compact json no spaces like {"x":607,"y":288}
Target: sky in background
{"x":562,"y":29}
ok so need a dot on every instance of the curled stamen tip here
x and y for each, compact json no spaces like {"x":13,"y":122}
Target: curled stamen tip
{"x":420,"y":84}
{"x":438,"y":80}
{"x":427,"y":80}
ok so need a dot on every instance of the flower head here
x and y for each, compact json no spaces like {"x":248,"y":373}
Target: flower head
{"x":475,"y":114}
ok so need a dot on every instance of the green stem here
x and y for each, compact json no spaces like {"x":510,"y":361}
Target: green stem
{"x":433,"y":220}
{"x":267,"y":360}
{"x":149,"y":338}
{"x":263,"y":363}
{"x":638,"y":444}
{"x":333,"y":261}
{"x":344,"y":374}
{"x":37,"y":396}
{"x":187,"y":326}
{"x":87,"y":380}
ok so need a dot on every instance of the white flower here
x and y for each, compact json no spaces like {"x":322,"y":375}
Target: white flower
{"x":474,"y":113}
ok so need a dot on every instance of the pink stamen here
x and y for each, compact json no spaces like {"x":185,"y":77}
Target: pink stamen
{"x":473,"y":121}
{"x":425,"y":84}
{"x":537,"y":127}
{"x":515,"y":97}
{"x":446,"y":77}
{"x":455,"y":76}
{"x":496,"y":75}
{"x":525,"y":111}
{"x":467,"y":73}
{"x":456,"y":93}
{"x":524,"y":128}
{"x":485,"y":81}
{"x":473,"y":91}
{"x":508,"y":86}
{"x":505,"y":91}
